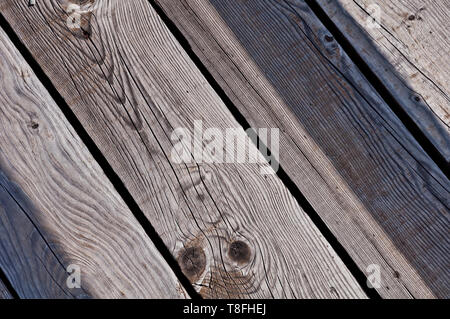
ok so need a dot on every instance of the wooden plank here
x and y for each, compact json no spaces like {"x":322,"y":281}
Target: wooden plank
{"x":57,"y":208}
{"x":379,"y":193}
{"x":4,"y":292}
{"x":408,"y":52}
{"x":235,"y":232}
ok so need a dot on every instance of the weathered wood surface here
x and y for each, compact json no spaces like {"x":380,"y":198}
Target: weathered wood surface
{"x":409,"y":51}
{"x":4,"y":292}
{"x":379,"y":193}
{"x":26,"y":257}
{"x":57,"y":208}
{"x":234,"y":232}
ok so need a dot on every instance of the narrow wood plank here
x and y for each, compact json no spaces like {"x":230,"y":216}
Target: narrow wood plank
{"x":57,"y":208}
{"x":408,"y":50}
{"x":4,"y":292}
{"x":235,"y":232}
{"x":379,"y":193}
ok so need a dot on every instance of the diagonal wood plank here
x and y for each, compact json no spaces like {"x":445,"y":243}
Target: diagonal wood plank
{"x":379,"y":193}
{"x":235,"y":232}
{"x":408,"y":52}
{"x":57,"y":208}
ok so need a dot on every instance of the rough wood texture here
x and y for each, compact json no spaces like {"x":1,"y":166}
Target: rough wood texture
{"x":234,"y":232}
{"x":4,"y":293}
{"x":409,"y":52}
{"x":380,"y":194}
{"x":57,"y":208}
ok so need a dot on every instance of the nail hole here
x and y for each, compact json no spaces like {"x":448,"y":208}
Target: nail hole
{"x":86,"y":34}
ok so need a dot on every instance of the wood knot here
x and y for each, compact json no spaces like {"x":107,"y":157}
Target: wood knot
{"x":79,"y":19}
{"x":329,"y":38}
{"x":193,"y":262}
{"x":239,"y":252}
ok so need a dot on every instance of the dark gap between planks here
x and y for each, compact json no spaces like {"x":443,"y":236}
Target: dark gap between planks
{"x":101,"y":160}
{"x":287,"y":181}
{"x":8,"y":285}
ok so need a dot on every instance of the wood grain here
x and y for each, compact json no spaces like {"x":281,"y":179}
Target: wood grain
{"x":379,"y":193}
{"x":57,"y":208}
{"x":235,"y":232}
{"x":408,"y":52}
{"x":4,"y":292}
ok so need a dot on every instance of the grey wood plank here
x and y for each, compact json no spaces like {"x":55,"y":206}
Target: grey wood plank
{"x":408,"y":50}
{"x":57,"y":207}
{"x":365,"y":175}
{"x":235,"y":232}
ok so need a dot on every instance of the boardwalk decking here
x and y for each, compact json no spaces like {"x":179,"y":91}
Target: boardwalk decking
{"x":93,"y":92}
{"x":58,"y":208}
{"x":409,"y":52}
{"x":343,"y":147}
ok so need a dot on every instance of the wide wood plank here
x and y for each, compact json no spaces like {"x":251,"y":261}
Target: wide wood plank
{"x":235,"y":232}
{"x":408,"y":50}
{"x":57,"y":208}
{"x":379,"y":193}
{"x":4,"y":292}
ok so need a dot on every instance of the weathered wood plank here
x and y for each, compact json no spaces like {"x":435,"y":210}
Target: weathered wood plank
{"x":4,"y":292}
{"x":379,"y":193}
{"x":57,"y":208}
{"x":235,"y":232}
{"x":409,"y":51}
